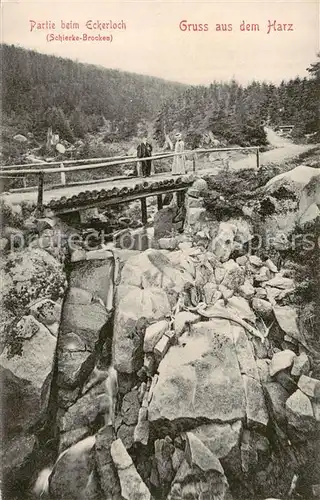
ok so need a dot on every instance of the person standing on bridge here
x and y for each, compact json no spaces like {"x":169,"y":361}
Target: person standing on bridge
{"x":179,"y":162}
{"x":144,"y":150}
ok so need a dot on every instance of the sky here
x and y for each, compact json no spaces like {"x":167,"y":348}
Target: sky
{"x":153,"y":43}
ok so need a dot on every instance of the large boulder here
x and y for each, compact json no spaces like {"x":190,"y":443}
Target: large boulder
{"x":292,"y":181}
{"x":200,"y":378}
{"x":167,"y":221}
{"x":150,"y":304}
{"x":132,"y":486}
{"x":310,"y":197}
{"x":220,"y":439}
{"x":72,"y":473}
{"x":86,"y":409}
{"x":27,"y":276}
{"x":153,"y":268}
{"x":26,"y":379}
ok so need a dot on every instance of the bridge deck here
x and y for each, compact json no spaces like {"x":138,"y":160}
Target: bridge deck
{"x":64,"y":199}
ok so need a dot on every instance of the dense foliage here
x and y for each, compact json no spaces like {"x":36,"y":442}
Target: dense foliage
{"x":80,"y":101}
{"x":234,"y":113}
{"x":39,"y":91}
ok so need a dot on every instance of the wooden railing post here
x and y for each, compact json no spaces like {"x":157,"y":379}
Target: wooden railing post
{"x":62,"y":176}
{"x":258,"y":158}
{"x":144,"y":213}
{"x":40,"y":193}
{"x":159,"y":201}
{"x":194,"y":162}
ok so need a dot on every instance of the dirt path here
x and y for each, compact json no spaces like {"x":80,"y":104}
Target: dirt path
{"x":284,"y":150}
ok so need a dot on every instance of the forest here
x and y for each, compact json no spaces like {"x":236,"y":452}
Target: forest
{"x":236,"y":114}
{"x":80,"y":100}
{"x":39,"y":91}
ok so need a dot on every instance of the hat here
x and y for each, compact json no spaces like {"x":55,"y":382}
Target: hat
{"x":178,"y":136}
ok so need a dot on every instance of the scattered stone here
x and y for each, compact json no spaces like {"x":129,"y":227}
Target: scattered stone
{"x":108,"y":477}
{"x":244,"y":352}
{"x":210,"y":290}
{"x":255,"y":260}
{"x":151,"y":304}
{"x":168,"y":243}
{"x":234,"y":276}
{"x":164,"y":222}
{"x":246,"y":290}
{"x":163,"y":471}
{"x":149,"y":364}
{"x":16,"y":452}
{"x":20,"y":138}
{"x":141,"y":431}
{"x":240,"y":307}
{"x":132,"y":486}
{"x":220,"y":439}
{"x":202,"y":377}
{"x":4,"y":243}
{"x":242,"y":260}
{"x":130,"y":407}
{"x":142,"y":391}
{"x":299,"y":411}
{"x":301,"y":365}
{"x":26,"y":380}
{"x":100,"y":254}
{"x":281,"y":282}
{"x":276,"y":397}
{"x":281,"y":360}
{"x":86,"y":320}
{"x":262,"y":307}
{"x":197,"y":454}
{"x":286,"y":381}
{"x":46,"y":311}
{"x":273,"y":268}
{"x":153,"y":335}
{"x":260,"y":349}
{"x":256,"y":410}
{"x":74,"y":366}
{"x":152,"y":387}
{"x":67,"y":397}
{"x":183,"y":320}
{"x":288,"y":320}
{"x":219,"y":274}
{"x":86,"y":409}
{"x":310,"y":386}
{"x":162,"y":347}
{"x":261,"y":293}
{"x":263,"y":275}
{"x":126,"y":434}
{"x":72,"y":437}
{"x":177,"y":458}
{"x":196,"y":217}
{"x":263,"y":368}
{"x":72,"y":471}
{"x":222,"y":244}
{"x":227,"y":293}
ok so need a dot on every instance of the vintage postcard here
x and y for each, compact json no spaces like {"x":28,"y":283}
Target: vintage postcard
{"x":159,"y":249}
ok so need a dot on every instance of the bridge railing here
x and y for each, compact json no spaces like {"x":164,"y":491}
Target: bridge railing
{"x":42,"y":169}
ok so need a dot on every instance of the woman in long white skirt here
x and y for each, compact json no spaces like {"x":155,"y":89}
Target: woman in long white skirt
{"x":179,"y":161}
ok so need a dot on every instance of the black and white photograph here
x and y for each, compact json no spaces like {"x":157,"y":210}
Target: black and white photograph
{"x":159,"y":250}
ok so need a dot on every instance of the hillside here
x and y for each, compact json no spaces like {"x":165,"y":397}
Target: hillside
{"x":234,"y":113}
{"x":40,"y":91}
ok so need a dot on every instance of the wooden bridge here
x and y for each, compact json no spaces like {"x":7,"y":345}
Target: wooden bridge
{"x":66,"y":197}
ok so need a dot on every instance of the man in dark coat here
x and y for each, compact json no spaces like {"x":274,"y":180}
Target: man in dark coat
{"x":144,"y":150}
